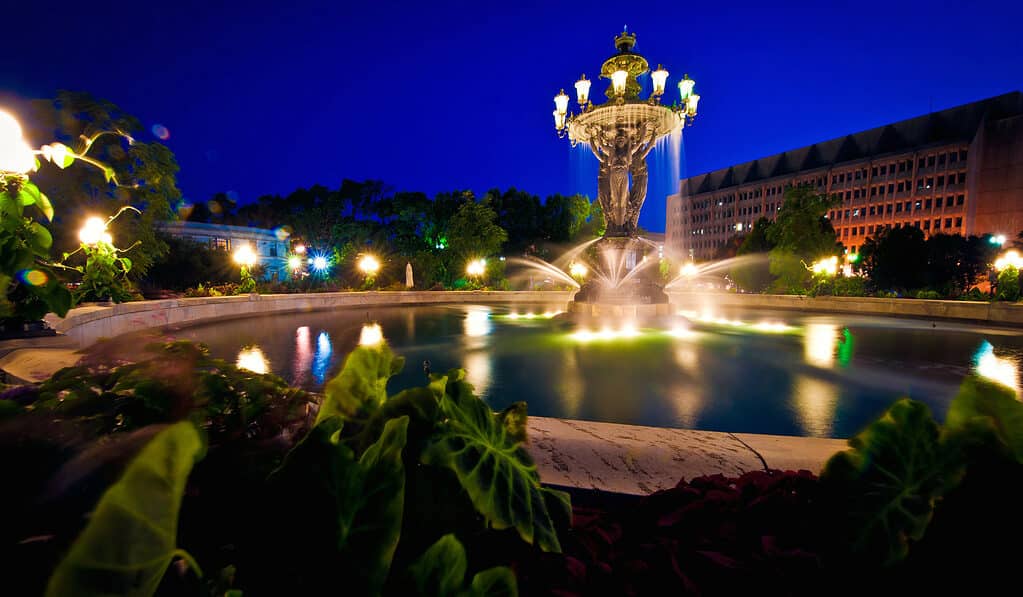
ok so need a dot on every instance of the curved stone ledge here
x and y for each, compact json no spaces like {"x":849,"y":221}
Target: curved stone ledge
{"x":971,"y":311}
{"x":88,"y":324}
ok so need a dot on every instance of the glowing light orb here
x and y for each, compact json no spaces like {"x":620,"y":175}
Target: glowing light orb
{"x":477,"y":323}
{"x":94,"y":231}
{"x":320,"y":263}
{"x":1010,"y":258}
{"x":371,"y":335}
{"x":999,"y":370}
{"x":253,"y":359}
{"x":476,"y":267}
{"x":578,"y":270}
{"x":15,"y":154}
{"x":827,"y":266}
{"x":689,"y":269}
{"x":295,"y":262}
{"x":300,"y":249}
{"x":282,"y":233}
{"x":33,"y":277}
{"x":160,"y":132}
{"x":245,"y":256}
{"x":369,"y":265}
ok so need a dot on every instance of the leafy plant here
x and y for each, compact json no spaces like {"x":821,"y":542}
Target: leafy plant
{"x":31,"y":288}
{"x":1008,"y":284}
{"x":131,"y":537}
{"x":440,"y":572}
{"x":104,"y":275}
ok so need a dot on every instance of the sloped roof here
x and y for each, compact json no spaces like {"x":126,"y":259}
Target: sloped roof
{"x":954,"y":125}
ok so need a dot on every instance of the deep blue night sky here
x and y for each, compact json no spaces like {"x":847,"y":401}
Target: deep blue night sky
{"x":264,"y":97}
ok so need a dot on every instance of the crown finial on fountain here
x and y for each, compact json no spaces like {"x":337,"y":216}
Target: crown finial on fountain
{"x":625,"y":40}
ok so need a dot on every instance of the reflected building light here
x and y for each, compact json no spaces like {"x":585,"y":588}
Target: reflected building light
{"x":687,"y":358}
{"x":571,"y":385}
{"x":252,"y":359}
{"x":303,"y":355}
{"x":774,"y":327}
{"x":819,"y":344}
{"x":321,"y":359}
{"x":478,"y":370}
{"x":371,"y":335}
{"x":477,"y":322}
{"x":688,"y":403}
{"x":814,"y":402}
{"x":997,"y":369}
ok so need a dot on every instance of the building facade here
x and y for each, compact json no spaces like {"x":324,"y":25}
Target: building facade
{"x":958,"y":171}
{"x":272,"y":251}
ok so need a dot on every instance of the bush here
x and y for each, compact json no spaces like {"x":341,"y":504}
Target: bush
{"x":1008,"y":284}
{"x":974,"y":294}
{"x":928,"y":294}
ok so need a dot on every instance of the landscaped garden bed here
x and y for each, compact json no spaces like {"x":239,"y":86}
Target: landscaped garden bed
{"x":184,"y":475}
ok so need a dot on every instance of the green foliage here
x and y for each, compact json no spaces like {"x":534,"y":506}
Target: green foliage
{"x":801,"y":228}
{"x":358,"y":501}
{"x":189,"y":264}
{"x":440,"y":572}
{"x":1008,"y":284}
{"x":790,"y":273}
{"x":361,"y":386}
{"x":472,"y":233}
{"x":173,"y":381}
{"x":986,"y":412}
{"x":30,"y":285}
{"x":838,"y":286}
{"x":104,"y":275}
{"x":889,"y":481}
{"x":248,"y":283}
{"x":131,"y":537}
{"x":928,"y":294}
{"x":759,"y":239}
{"x":488,"y":455}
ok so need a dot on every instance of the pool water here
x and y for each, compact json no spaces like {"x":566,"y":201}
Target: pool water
{"x":739,"y":371}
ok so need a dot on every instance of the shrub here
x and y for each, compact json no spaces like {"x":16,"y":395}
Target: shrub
{"x":1008,"y":284}
{"x":928,"y":294}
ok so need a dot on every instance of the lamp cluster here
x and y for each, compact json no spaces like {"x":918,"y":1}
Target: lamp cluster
{"x":686,"y":108}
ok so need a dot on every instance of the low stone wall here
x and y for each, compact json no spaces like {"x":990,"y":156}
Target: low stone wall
{"x":975,"y":311}
{"x":85,"y":325}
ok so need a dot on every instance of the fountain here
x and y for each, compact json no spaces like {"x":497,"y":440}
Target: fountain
{"x":621,"y":134}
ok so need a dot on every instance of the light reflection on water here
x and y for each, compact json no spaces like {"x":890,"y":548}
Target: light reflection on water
{"x":805,"y":381}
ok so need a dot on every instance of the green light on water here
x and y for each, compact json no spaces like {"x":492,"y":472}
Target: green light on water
{"x":845,"y":348}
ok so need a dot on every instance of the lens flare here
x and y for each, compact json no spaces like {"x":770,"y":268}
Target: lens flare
{"x":282,"y":233}
{"x":160,"y":132}
{"x":33,"y":277}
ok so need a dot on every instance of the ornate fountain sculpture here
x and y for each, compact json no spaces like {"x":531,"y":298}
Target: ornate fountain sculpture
{"x":621,"y":133}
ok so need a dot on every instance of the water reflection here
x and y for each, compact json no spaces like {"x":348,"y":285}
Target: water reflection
{"x":814,"y":402}
{"x":570,"y":384}
{"x":819,"y":344}
{"x":371,"y":334}
{"x":997,"y":369}
{"x":477,"y":322}
{"x":252,"y":359}
{"x":321,"y":359}
{"x":303,"y":355}
{"x":478,"y":370}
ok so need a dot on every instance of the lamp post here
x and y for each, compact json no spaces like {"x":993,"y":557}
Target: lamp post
{"x":246,"y":258}
{"x":622,"y":131}
{"x":369,"y":266}
{"x":476,"y":268}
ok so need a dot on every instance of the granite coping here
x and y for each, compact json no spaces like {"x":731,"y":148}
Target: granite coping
{"x":638,"y":460}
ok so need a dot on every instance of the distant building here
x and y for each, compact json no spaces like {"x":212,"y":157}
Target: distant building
{"x":272,"y":251}
{"x":958,"y":171}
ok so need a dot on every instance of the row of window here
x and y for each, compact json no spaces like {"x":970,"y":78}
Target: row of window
{"x":925,"y":225}
{"x":878,"y":210}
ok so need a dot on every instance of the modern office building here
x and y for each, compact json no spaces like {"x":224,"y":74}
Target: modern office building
{"x":271,"y":251}
{"x":957,"y":171}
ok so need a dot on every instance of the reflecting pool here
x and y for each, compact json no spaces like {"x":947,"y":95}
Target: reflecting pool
{"x":739,"y":371}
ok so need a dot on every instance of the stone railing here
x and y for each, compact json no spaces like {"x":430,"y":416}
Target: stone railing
{"x":87,"y":324}
{"x":974,"y":311}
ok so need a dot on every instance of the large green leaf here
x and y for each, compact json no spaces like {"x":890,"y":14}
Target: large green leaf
{"x":361,"y":386}
{"x":440,"y":572}
{"x":131,"y":537}
{"x":358,"y":503}
{"x":983,"y":407}
{"x":487,"y":453}
{"x":42,"y":237}
{"x":889,"y":480}
{"x":31,"y":195}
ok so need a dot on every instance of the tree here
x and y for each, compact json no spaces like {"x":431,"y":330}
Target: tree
{"x":758,"y":240}
{"x":473,"y":233}
{"x":801,"y":234}
{"x":596,"y":224}
{"x":137,"y":174}
{"x":564,"y":216}
{"x":754,"y":276}
{"x":895,"y":259}
{"x":520,"y":214}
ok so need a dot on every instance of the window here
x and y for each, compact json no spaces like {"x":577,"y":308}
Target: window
{"x":937,"y":223}
{"x":948,"y":222}
{"x":273,"y":249}
{"x":941,"y":181}
{"x":901,"y":187}
{"x":916,"y":223}
{"x":847,"y":214}
{"x":857,"y":175}
{"x":862,"y":231}
{"x":916,"y":206}
{"x":953,"y":157}
{"x":856,"y":194}
{"x":962,"y":177}
{"x":927,"y":224}
{"x":959,"y":222}
{"x":856,"y":213}
{"x":848,"y":195}
{"x":870,"y":230}
{"x":221,"y":244}
{"x":845,"y":233}
{"x":920,"y":164}
{"x":927,"y":204}
{"x":941,"y":160}
{"x":873,"y":171}
{"x":908,"y":203}
{"x":873,"y":210}
{"x":854,"y":231}
{"x":902,"y":166}
{"x":888,"y":209}
{"x":898,"y":208}
{"x":960,"y":199}
{"x":962,"y":155}
{"x":891,"y":188}
{"x":937,"y":203}
{"x":834,"y":179}
{"x":930,"y":161}
{"x":930,"y":181}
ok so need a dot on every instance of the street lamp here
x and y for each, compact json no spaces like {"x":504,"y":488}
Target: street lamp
{"x":476,"y":267}
{"x":94,"y":231}
{"x":245,"y":256}
{"x":1010,"y":258}
{"x":582,"y":90}
{"x":826,"y":266}
{"x":295,"y":263}
{"x":369,"y":265}
{"x":659,"y":77}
